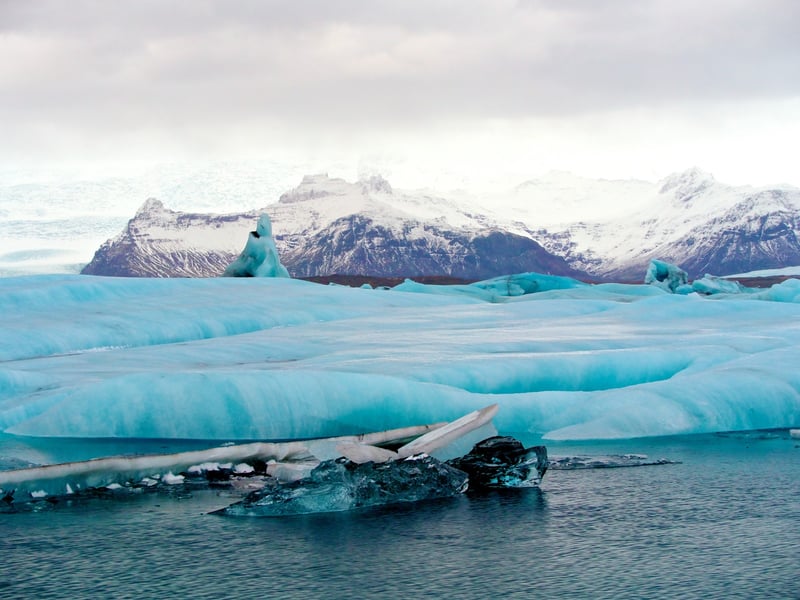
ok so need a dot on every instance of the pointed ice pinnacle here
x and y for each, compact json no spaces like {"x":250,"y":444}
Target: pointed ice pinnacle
{"x":260,"y":255}
{"x":502,"y":461}
{"x":341,"y":484}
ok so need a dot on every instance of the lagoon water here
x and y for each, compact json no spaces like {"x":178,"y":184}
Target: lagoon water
{"x":721,"y":524}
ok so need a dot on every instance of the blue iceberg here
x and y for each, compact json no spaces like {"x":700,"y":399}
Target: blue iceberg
{"x":667,"y":276}
{"x":260,"y":255}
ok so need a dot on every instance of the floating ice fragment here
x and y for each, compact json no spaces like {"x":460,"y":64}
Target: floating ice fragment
{"x":171,"y":479}
{"x":502,"y":461}
{"x":341,"y":484}
{"x":568,"y":463}
{"x":209,"y":466}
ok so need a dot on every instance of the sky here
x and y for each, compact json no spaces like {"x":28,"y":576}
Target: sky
{"x":477,"y":90}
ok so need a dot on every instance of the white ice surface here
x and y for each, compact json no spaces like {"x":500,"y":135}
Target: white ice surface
{"x":236,"y":359}
{"x":786,"y":271}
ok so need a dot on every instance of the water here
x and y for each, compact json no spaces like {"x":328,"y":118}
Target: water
{"x":722,"y":524}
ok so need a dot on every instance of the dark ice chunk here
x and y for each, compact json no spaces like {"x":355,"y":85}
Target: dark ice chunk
{"x":502,"y":461}
{"x":341,"y":484}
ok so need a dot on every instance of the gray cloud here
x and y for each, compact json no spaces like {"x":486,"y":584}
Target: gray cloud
{"x":94,"y":68}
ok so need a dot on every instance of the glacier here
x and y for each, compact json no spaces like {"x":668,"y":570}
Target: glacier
{"x":234,"y":359}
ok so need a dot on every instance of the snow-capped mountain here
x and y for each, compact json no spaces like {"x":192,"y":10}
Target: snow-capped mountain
{"x":158,"y":242}
{"x":692,"y":220}
{"x":560,"y":224}
{"x":327,"y":226}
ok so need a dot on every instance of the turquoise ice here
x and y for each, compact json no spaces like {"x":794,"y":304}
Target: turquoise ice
{"x":276,"y":358}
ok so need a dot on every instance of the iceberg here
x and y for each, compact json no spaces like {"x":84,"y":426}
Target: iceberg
{"x":666,"y":276}
{"x":260,"y":255}
{"x":673,"y":279}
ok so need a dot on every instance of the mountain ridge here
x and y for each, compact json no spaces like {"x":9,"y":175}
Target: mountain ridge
{"x":328,"y":225}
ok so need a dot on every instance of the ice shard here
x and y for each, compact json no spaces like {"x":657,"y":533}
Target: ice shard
{"x":341,"y":484}
{"x":455,"y":437}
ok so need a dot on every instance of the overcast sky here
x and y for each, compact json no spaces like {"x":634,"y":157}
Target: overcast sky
{"x":478,"y":89}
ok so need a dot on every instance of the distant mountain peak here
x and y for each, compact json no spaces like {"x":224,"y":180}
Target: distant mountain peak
{"x":375,"y":183}
{"x":314,"y":187}
{"x":150,"y":205}
{"x":688,"y":183}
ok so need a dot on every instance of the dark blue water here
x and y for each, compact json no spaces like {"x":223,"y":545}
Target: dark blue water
{"x":723,"y":524}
